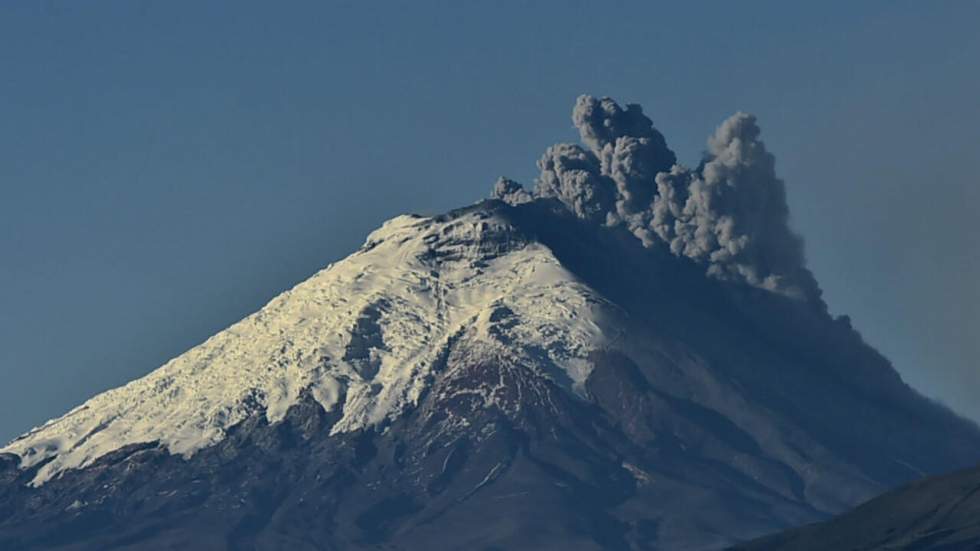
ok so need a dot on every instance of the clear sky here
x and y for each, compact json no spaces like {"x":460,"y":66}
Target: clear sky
{"x":168,"y":167}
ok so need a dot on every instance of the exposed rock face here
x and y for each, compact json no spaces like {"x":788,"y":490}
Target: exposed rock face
{"x":501,"y":377}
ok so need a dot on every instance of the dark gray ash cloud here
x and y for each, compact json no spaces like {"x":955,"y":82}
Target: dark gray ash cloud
{"x":729,"y":214}
{"x":509,"y":191}
{"x":572,"y":175}
{"x":630,"y":150}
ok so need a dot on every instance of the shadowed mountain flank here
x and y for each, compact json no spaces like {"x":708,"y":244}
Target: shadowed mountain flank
{"x":936,"y":514}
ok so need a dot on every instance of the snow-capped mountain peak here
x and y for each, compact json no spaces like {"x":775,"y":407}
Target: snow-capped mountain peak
{"x":364,"y":335}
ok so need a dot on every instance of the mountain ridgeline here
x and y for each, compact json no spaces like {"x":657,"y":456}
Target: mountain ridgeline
{"x":632,"y":355}
{"x":939,"y":513}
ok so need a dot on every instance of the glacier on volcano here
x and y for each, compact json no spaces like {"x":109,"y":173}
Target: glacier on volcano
{"x":415,"y":284}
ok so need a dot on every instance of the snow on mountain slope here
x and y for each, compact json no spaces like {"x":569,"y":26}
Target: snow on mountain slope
{"x":363,"y":334}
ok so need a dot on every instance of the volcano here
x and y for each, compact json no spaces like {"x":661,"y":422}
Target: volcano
{"x":630,"y":356}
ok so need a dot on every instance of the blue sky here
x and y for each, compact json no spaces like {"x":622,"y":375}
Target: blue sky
{"x":167,"y":167}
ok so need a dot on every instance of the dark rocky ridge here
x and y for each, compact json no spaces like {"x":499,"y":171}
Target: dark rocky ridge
{"x":936,"y":514}
{"x":736,"y":412}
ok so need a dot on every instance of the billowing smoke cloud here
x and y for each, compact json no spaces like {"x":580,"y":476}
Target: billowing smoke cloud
{"x":729,"y":214}
{"x":572,"y":174}
{"x":510,"y":191}
{"x":630,"y":151}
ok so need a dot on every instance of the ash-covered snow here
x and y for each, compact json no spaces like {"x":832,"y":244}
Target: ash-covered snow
{"x":364,"y":334}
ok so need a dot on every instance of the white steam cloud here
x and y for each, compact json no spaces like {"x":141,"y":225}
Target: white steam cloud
{"x":729,"y":214}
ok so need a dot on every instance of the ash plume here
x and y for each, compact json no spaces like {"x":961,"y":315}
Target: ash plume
{"x":729,"y":214}
{"x":630,"y":150}
{"x":509,"y":191}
